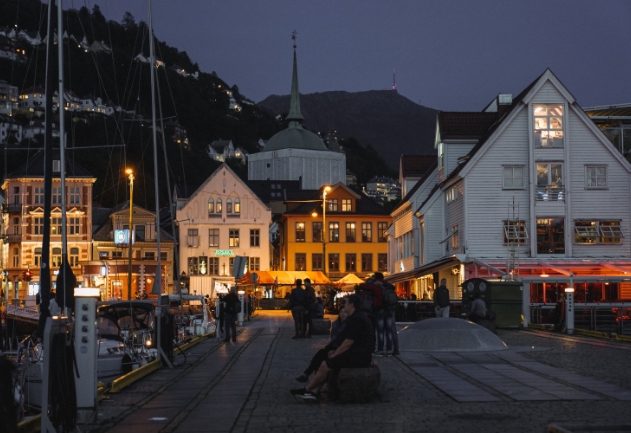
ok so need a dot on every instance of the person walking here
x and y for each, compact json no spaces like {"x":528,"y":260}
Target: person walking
{"x":441,"y":299}
{"x":378,"y":314}
{"x":311,"y":299}
{"x":230,"y":307}
{"x":390,"y":325}
{"x":298,"y":303}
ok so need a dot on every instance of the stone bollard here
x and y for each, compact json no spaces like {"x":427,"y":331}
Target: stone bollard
{"x":354,"y":385}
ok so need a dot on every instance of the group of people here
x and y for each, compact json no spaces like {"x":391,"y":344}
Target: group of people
{"x":381,"y":314}
{"x":304,"y":306}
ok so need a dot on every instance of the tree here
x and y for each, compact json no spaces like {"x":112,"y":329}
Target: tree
{"x":128,"y":20}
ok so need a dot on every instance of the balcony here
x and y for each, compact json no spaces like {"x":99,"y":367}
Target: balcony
{"x":550,"y":193}
{"x":12,"y":208}
{"x":14,"y":238}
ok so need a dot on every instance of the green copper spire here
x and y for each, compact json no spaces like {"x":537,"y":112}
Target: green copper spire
{"x":294,"y":105}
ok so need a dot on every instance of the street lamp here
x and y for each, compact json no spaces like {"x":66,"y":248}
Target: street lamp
{"x":130,"y":172}
{"x":324,"y":261}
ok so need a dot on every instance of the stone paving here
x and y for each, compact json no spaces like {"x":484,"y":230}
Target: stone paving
{"x":244,"y":387}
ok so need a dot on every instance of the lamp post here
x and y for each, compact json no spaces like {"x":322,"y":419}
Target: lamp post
{"x":130,"y":172}
{"x":324,"y":192}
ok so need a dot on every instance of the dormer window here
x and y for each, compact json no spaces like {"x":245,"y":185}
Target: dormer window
{"x":548,"y":125}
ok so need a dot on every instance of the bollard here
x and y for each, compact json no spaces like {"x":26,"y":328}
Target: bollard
{"x":218,"y":313}
{"x":569,"y":310}
{"x":240,"y":314}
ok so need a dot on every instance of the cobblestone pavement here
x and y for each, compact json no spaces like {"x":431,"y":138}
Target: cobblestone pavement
{"x":244,"y":387}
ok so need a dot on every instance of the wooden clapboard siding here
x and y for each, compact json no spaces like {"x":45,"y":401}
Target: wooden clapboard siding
{"x":488,"y":204}
{"x":454,"y":216}
{"x":403,"y":224}
{"x":453,"y":151}
{"x":549,"y":94}
{"x":610,"y":203}
{"x":434,"y":230}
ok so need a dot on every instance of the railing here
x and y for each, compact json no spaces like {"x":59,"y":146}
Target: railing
{"x":12,"y":208}
{"x":550,"y":193}
{"x":14,"y":238}
{"x":609,"y":318}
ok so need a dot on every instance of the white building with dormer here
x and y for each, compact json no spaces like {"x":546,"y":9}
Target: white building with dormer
{"x":527,"y":189}
{"x":218,"y":221}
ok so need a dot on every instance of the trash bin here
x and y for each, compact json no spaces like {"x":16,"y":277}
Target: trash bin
{"x":501,"y":296}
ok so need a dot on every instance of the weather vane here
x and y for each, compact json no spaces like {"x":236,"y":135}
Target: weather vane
{"x":293,"y":37}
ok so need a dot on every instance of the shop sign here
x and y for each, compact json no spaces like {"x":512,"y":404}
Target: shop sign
{"x":224,"y":253}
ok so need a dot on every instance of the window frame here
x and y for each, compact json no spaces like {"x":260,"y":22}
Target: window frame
{"x":550,"y":132}
{"x":316,"y":227}
{"x":513,"y":177}
{"x":334,"y":262}
{"x":255,"y":238}
{"x":233,"y":239}
{"x":515,"y":232}
{"x":588,"y":178}
{"x":300,"y":233}
{"x":213,"y":238}
{"x":300,"y":261}
{"x":334,"y":231}
{"x":382,"y":259}
{"x":382,"y":228}
{"x":366,"y":229}
{"x":211,"y":207}
{"x":367,"y":264}
{"x":351,"y":231}
{"x":353,"y":262}
{"x":316,"y":262}
{"x":347,"y":205}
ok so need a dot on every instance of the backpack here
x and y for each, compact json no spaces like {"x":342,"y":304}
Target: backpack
{"x":390,"y":298}
{"x":442,"y":297}
{"x":367,"y":301}
{"x":233,"y":307}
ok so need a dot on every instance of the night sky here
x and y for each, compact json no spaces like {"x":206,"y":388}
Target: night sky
{"x":448,"y":54}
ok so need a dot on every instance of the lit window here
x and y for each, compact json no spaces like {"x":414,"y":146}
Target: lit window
{"x":347,"y":205}
{"x":192,"y":238}
{"x":229,"y":205}
{"x":350,"y":232}
{"x":74,"y":257}
{"x":218,"y":207}
{"x":550,"y":182}
{"x":234,"y":238}
{"x":366,"y":232}
{"x":300,"y":232}
{"x":213,"y":238}
{"x":334,"y":232}
{"x":301,"y":262}
{"x":548,"y":125}
{"x":211,"y":207}
{"x":237,"y":206}
{"x":610,"y":231}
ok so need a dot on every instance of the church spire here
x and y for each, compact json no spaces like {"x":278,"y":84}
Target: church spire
{"x":294,"y":105}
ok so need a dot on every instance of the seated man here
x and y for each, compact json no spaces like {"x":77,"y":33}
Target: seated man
{"x":355,"y":351}
{"x":478,"y":309}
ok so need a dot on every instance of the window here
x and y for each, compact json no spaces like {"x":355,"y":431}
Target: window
{"x":254,"y":264}
{"x":548,"y":125}
{"x":164,"y":256}
{"x":229,"y":205}
{"x":316,"y":262}
{"x":192,"y":266}
{"x":550,"y":182}
{"x":550,"y":236}
{"x":39,"y":195}
{"x":351,"y":262}
{"x":513,"y":177}
{"x":350,"y":232}
{"x":334,"y":232}
{"x":104,"y":255}
{"x":234,"y":239}
{"x":334,"y":262}
{"x":139,"y":233}
{"x":192,"y":239}
{"x":515,"y":232}
{"x":55,"y":228}
{"x":218,"y":207}
{"x":366,"y":232}
{"x":202,"y":265}
{"x":255,"y":238}
{"x":382,"y":231}
{"x":301,"y":262}
{"x":331,"y":205}
{"x":230,"y":265}
{"x":73,"y":226}
{"x":237,"y":206}
{"x":16,"y":195}
{"x":56,"y":258}
{"x":211,"y":207}
{"x":454,"y":237}
{"x":150,"y":255}
{"x":117,"y":254}
{"x":16,"y":226}
{"x":382,"y":262}
{"x":366,"y":262}
{"x":300,"y":232}
{"x":596,"y":177}
{"x":316,"y":229}
{"x":39,"y":226}
{"x":74,"y":194}
{"x":38,"y":256}
{"x":213,"y":266}
{"x":213,"y":238}
{"x":347,"y":205}
{"x":591,"y":232}
{"x":56,"y":196}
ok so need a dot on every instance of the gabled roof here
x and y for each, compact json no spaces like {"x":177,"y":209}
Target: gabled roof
{"x":417,"y":185}
{"x":313,"y":201}
{"x":220,"y":145}
{"x":268,"y":190}
{"x":463,"y":125}
{"x":416,"y":165}
{"x":34,"y":167}
{"x":105,"y":232}
{"x":184,"y":191}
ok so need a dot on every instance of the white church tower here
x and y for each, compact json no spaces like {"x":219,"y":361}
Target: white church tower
{"x":295,"y":152}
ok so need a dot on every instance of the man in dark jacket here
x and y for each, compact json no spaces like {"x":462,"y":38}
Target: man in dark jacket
{"x":379,"y":314}
{"x":230,"y":314}
{"x":355,"y":351}
{"x":389,"y":322}
{"x":311,"y":299}
{"x":298,"y":304}
{"x":441,"y":299}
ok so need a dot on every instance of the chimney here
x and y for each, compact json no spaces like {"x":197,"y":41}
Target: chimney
{"x":504,"y":103}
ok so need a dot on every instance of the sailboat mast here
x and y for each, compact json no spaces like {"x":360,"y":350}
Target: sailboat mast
{"x":62,"y":147}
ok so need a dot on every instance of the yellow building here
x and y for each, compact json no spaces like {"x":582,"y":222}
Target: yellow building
{"x":355,"y":229}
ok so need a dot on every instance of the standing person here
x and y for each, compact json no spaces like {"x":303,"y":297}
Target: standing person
{"x":392,"y":339}
{"x":298,"y":303}
{"x":230,"y":308}
{"x":441,"y":299}
{"x":311,"y":299}
{"x":378,"y":315}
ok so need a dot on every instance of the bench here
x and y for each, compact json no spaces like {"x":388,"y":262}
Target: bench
{"x":321,"y":326}
{"x":354,"y":385}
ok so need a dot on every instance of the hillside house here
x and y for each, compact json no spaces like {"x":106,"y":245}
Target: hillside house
{"x":220,"y":150}
{"x":36,"y":127}
{"x":31,"y":37}
{"x":528,"y":189}
{"x":9,"y":98}
{"x":10,"y":130}
{"x":32,"y":98}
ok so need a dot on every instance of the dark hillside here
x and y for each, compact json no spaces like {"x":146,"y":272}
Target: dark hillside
{"x":391,"y":123}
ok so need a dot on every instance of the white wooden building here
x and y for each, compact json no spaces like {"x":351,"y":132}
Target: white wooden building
{"x":222,"y":219}
{"x":528,"y":187}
